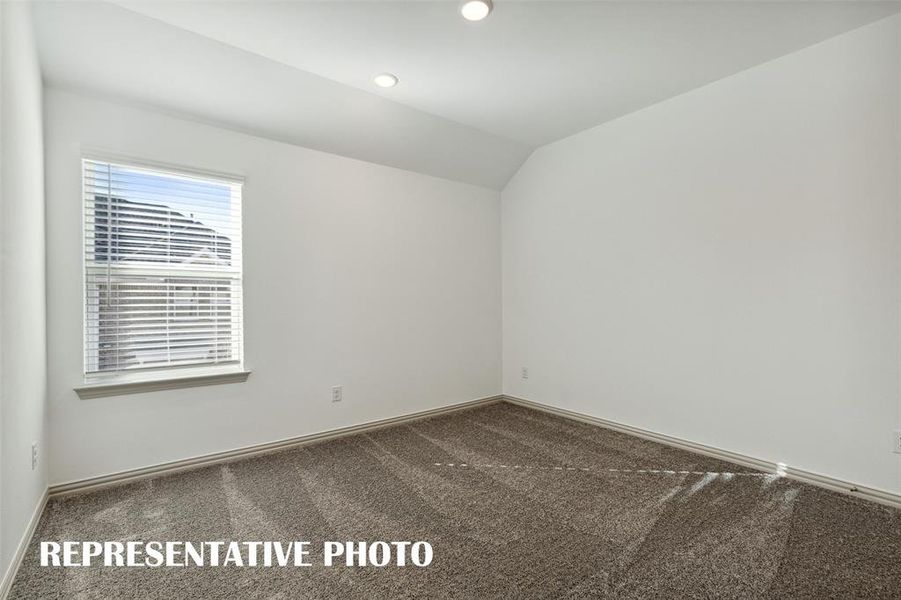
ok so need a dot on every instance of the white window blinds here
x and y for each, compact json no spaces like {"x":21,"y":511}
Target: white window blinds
{"x":162,"y":269}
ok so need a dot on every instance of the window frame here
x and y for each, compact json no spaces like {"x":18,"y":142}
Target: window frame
{"x":128,"y":381}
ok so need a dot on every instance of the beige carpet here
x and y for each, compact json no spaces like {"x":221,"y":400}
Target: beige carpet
{"x":543,"y":508}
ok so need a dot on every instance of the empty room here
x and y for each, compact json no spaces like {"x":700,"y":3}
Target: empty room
{"x":450,"y":299}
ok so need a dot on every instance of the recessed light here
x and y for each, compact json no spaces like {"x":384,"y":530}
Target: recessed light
{"x":385,"y":80}
{"x":476,"y":10}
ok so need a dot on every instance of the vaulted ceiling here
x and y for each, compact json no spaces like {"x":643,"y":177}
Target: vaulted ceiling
{"x":474,"y":98}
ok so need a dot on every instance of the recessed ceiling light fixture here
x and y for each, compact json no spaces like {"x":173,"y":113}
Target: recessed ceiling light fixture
{"x":385,"y":80}
{"x":476,"y":10}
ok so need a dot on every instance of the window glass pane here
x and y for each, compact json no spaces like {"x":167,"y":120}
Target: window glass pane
{"x":163,"y":269}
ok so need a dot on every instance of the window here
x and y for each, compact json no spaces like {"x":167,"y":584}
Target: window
{"x":162,"y":270}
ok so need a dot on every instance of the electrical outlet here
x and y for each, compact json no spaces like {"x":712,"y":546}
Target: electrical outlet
{"x":896,"y":441}
{"x":525,"y":373}
{"x":338,"y":393}
{"x":34,"y":456}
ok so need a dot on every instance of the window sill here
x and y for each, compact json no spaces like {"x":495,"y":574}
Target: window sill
{"x":168,"y":381}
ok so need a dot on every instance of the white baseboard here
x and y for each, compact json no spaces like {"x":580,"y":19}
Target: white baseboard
{"x":824,"y":481}
{"x":93,"y":483}
{"x":7,"y":581}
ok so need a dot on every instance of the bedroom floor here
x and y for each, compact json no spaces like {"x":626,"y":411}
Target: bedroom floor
{"x":592,"y":512}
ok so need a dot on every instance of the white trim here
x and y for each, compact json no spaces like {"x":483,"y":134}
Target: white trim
{"x":148,"y":383}
{"x":93,"y":483}
{"x":86,"y":485}
{"x":88,"y":154}
{"x":7,"y":581}
{"x":824,"y":481}
{"x":125,"y":160}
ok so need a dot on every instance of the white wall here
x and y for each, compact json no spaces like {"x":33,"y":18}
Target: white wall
{"x":22,"y":333}
{"x":722,"y":267}
{"x":725,"y":266}
{"x":381,"y":280}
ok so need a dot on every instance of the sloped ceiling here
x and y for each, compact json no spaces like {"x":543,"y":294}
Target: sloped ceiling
{"x":474,"y":98}
{"x":108,"y":50}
